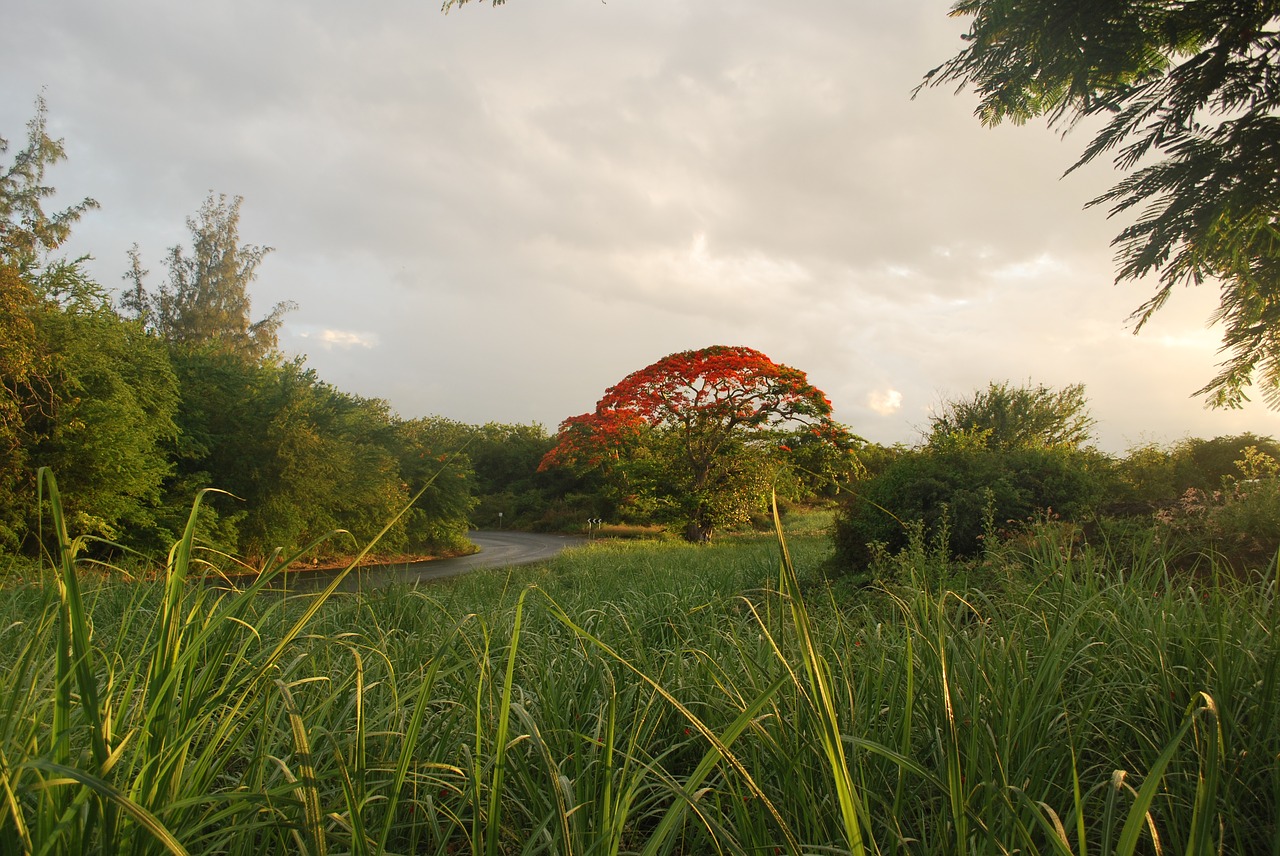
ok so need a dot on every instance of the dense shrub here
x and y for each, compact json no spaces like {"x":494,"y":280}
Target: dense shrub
{"x":1152,"y":478}
{"x":1238,"y":525}
{"x":960,"y":493}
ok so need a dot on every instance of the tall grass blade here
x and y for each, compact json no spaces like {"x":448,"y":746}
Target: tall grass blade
{"x":360,"y":844}
{"x":819,"y":676}
{"x":493,"y":825}
{"x":1209,"y":779}
{"x":1081,"y":840}
{"x":144,"y":818}
{"x":1138,"y":815}
{"x":164,"y":675}
{"x":721,"y":746}
{"x":559,"y":784}
{"x":908,"y":709}
{"x":313,"y":819}
{"x":1050,"y":823}
{"x":75,"y":654}
{"x":13,"y":809}
{"x":410,"y":738}
{"x":354,"y":791}
{"x":955,"y":777}
{"x":674,"y":817}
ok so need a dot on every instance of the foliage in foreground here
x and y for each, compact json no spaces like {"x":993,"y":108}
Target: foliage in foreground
{"x":1189,"y":102}
{"x":648,"y":698}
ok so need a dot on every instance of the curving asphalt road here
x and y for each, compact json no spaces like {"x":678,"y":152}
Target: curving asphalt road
{"x":497,"y":550}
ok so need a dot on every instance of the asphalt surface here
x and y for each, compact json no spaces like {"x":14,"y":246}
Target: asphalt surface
{"x":497,"y":550}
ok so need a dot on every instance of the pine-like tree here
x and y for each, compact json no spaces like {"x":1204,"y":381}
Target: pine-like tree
{"x":205,"y":298}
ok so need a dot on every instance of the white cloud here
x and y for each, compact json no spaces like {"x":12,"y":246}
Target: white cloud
{"x":1033,"y":269}
{"x":886,"y":402}
{"x":345,"y":339}
{"x":722,"y":273}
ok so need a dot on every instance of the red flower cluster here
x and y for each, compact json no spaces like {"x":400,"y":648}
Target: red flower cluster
{"x":706,"y":394}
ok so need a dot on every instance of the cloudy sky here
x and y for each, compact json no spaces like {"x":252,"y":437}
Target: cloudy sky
{"x":495,"y":214}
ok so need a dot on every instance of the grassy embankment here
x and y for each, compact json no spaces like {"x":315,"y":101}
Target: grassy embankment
{"x":654,"y":698}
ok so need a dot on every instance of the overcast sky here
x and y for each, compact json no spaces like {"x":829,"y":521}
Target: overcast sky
{"x":495,"y":214}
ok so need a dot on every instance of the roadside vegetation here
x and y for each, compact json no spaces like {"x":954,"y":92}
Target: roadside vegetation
{"x":1000,"y":463}
{"x":141,"y":399}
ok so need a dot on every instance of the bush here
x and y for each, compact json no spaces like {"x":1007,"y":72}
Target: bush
{"x":960,"y":494}
{"x":1153,"y":477}
{"x":1238,"y":525}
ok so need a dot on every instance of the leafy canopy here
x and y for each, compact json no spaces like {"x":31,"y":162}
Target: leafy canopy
{"x":697,"y":423}
{"x":1015,"y":417}
{"x":705,"y":396}
{"x":1189,"y":92}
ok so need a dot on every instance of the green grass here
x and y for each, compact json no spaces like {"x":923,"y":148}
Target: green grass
{"x":648,"y":697}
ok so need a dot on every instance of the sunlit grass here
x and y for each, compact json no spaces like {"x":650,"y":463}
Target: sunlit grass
{"x":652,"y":697}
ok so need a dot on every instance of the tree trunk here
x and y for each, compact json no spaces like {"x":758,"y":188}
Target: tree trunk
{"x":697,"y":533}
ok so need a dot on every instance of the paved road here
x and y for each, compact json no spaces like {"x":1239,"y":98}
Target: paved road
{"x":497,"y":550}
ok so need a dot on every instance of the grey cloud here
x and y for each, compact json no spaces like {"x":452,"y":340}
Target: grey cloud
{"x":511,"y":199}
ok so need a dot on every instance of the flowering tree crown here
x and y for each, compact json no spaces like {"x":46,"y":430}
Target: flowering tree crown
{"x":706,"y":395}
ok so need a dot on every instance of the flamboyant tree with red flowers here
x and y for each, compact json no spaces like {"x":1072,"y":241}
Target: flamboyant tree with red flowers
{"x":701,"y":432}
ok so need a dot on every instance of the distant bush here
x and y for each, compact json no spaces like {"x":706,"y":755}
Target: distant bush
{"x":959,"y":494}
{"x":1238,"y":524}
{"x":1153,"y":477}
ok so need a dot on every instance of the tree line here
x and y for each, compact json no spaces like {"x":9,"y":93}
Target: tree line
{"x":138,"y":404}
{"x":1009,"y":460}
{"x":141,"y":403}
{"x":702,"y":440}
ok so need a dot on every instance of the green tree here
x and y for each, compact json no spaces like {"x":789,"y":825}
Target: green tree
{"x":509,"y":489}
{"x":27,"y":233}
{"x":1155,"y":476}
{"x":24,"y":390}
{"x":1189,"y":92}
{"x":994,"y":459}
{"x":817,"y":467}
{"x":205,"y":298}
{"x":79,"y":390}
{"x":433,"y":452}
{"x":1008,"y":417}
{"x":106,"y":425}
{"x":957,"y":493}
{"x":300,"y":458}
{"x":328,"y":466}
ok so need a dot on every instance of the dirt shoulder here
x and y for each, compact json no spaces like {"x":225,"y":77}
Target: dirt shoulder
{"x":374,"y":560}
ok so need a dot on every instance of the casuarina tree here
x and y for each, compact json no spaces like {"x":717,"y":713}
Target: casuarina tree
{"x":205,"y":300}
{"x":698,"y":434}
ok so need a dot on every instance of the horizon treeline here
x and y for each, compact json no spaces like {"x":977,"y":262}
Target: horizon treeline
{"x":138,"y":404}
{"x":141,"y":402}
{"x":1009,"y":461}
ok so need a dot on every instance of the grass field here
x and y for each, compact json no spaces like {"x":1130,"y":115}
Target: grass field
{"x":653,"y":698}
